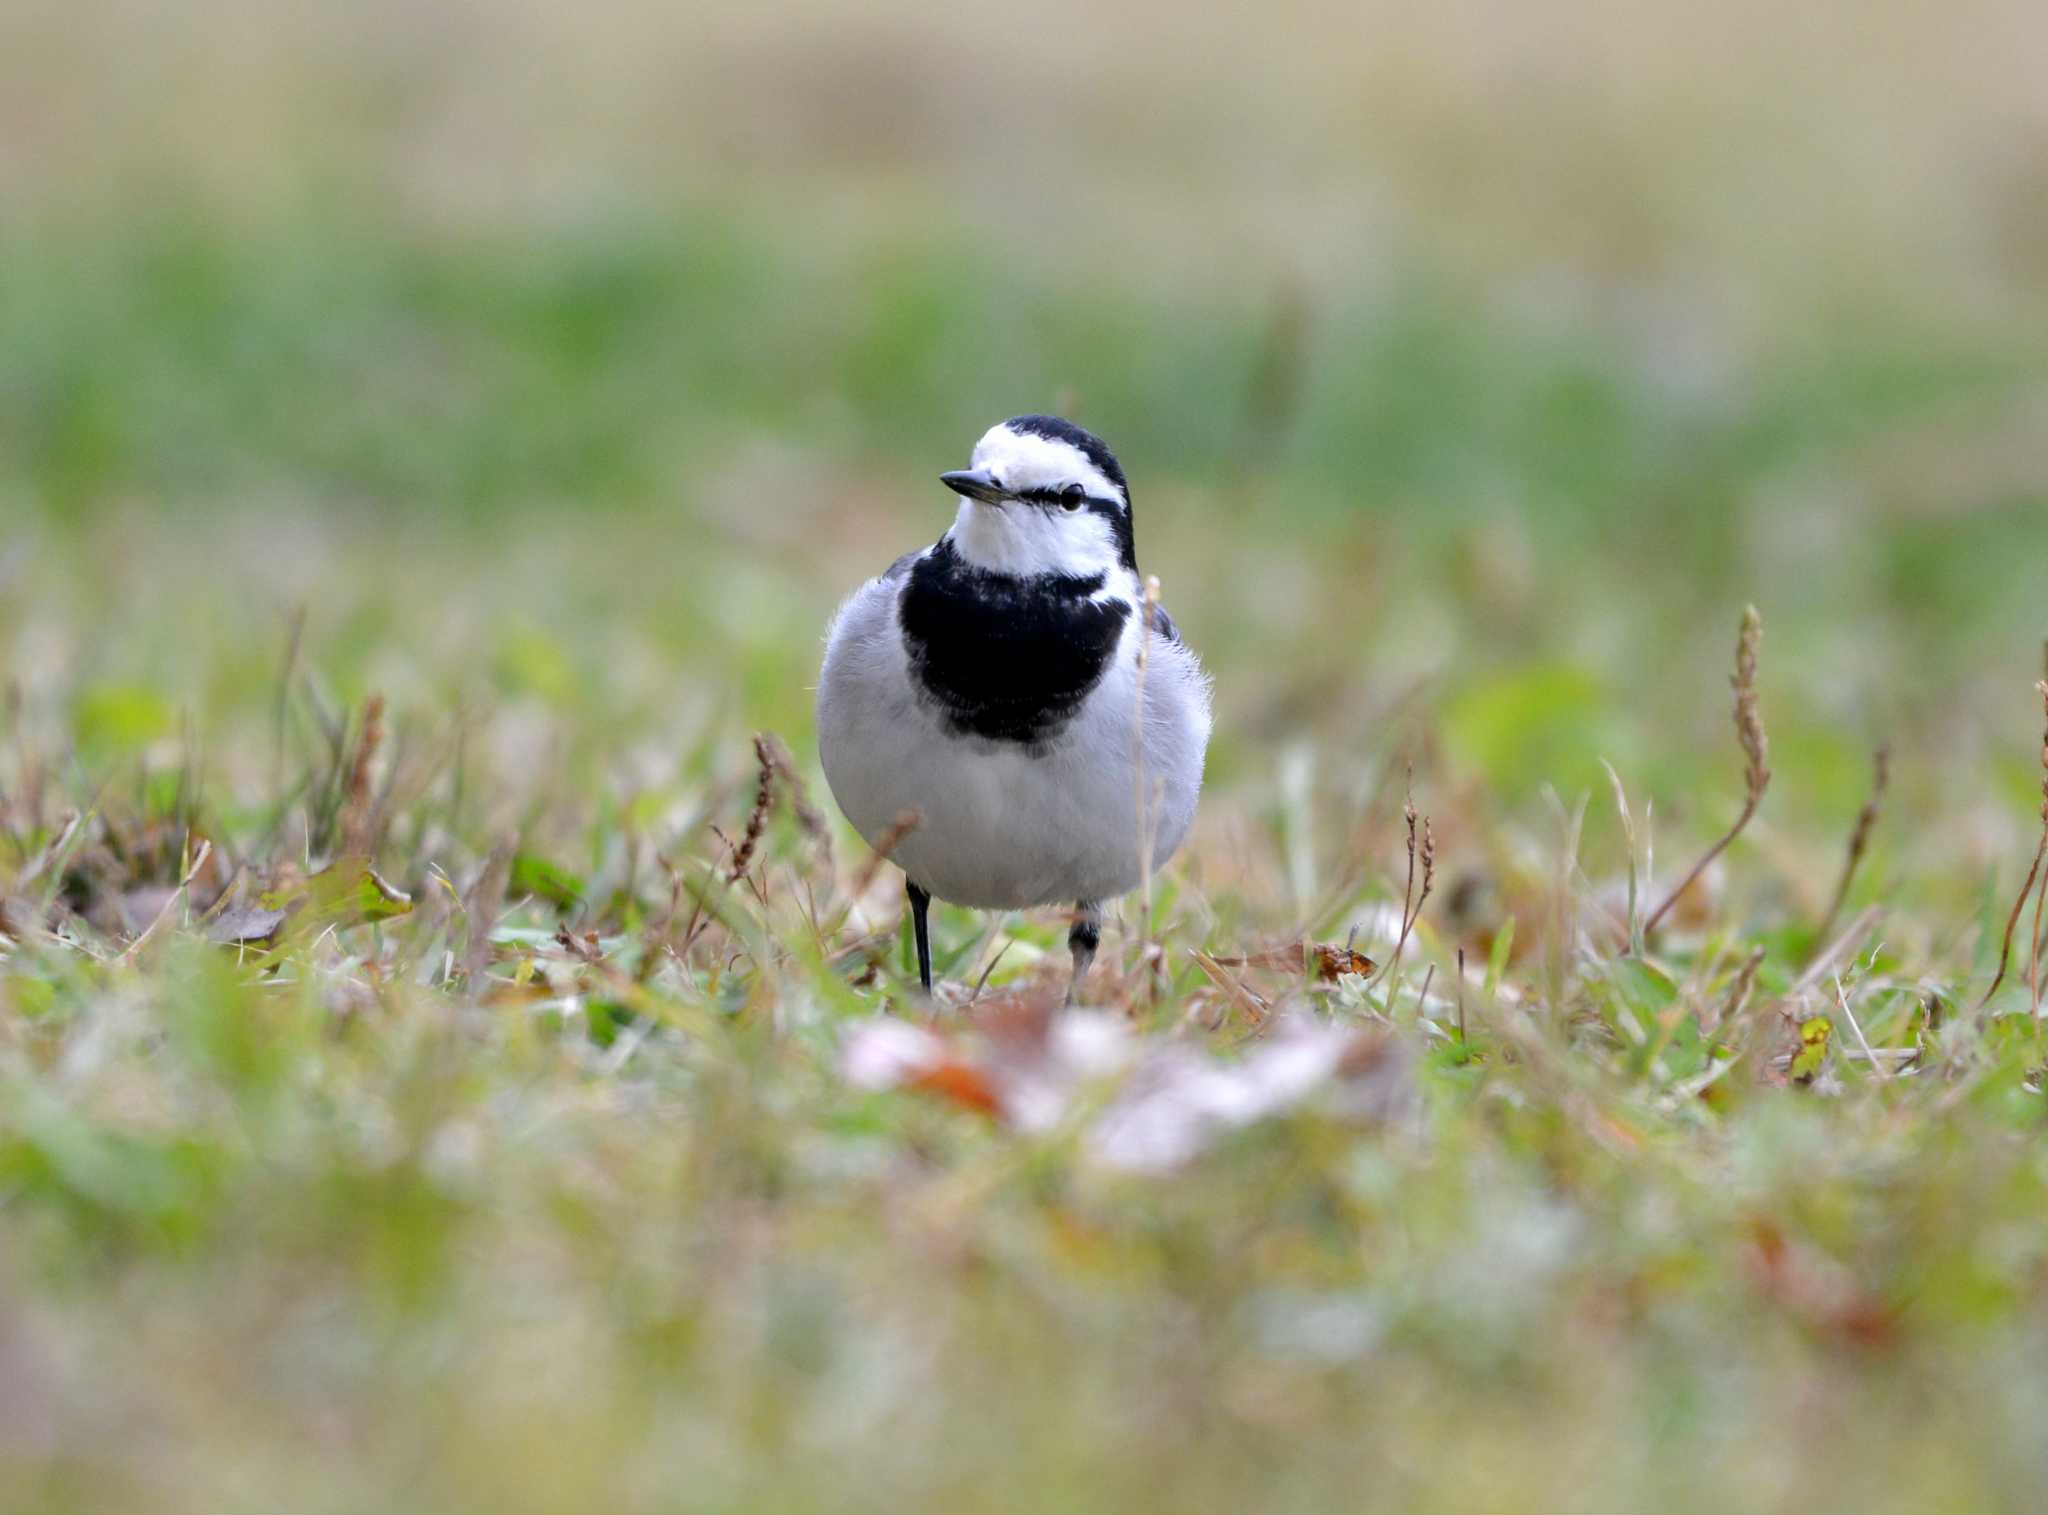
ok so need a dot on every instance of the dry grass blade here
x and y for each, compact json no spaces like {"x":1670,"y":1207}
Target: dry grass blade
{"x":485,"y":903}
{"x":1230,"y":984}
{"x":358,"y":805}
{"x":1749,"y":731}
{"x":1840,"y":948}
{"x":1322,"y":960}
{"x":51,"y":858}
{"x":1869,"y":1052}
{"x":1859,"y":838}
{"x":177,"y":897}
{"x":1411,"y":901}
{"x":1738,"y":993}
{"x":1628,"y":836}
{"x":899,"y":828}
{"x":2019,"y":905}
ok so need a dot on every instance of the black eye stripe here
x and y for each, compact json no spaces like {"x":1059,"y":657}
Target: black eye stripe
{"x":1072,"y":497}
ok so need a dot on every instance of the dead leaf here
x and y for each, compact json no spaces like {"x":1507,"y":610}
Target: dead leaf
{"x":962,"y":1083}
{"x":246,"y":926}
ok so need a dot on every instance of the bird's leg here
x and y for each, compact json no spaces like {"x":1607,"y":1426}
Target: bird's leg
{"x":920,"y":904}
{"x":1082,"y":939}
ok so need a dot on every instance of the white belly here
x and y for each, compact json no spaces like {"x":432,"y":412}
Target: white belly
{"x":1003,"y":826}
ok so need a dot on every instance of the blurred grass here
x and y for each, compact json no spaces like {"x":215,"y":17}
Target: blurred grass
{"x":553,"y":373}
{"x":675,"y":432}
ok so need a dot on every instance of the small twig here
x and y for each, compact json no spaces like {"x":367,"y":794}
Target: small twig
{"x":1749,"y":731}
{"x":1859,"y":839}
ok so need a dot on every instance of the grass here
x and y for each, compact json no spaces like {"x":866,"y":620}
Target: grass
{"x":447,"y":1061}
{"x":554,"y":1182}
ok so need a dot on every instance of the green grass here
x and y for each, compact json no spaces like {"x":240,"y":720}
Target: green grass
{"x":438,"y":1209}
{"x":554,"y":1191}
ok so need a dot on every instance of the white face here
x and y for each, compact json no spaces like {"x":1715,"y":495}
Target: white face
{"x":1025,"y":538}
{"x":1024,"y":460}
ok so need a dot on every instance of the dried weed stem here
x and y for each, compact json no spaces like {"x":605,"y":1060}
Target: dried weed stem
{"x":1859,"y":839}
{"x":359,"y":803}
{"x":757,"y":818}
{"x":1749,"y":731}
{"x":1423,"y":851}
{"x":2019,"y":905}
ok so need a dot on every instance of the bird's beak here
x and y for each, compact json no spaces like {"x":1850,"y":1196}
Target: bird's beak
{"x":976,"y":484}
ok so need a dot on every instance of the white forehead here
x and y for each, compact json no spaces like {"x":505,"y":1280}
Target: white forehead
{"x":1025,"y":460}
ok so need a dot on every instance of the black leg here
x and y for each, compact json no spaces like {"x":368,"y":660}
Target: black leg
{"x":920,"y":903}
{"x":1082,"y":940}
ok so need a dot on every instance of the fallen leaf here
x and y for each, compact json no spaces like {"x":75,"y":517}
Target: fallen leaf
{"x":246,"y":926}
{"x":962,"y":1083}
{"x":1334,"y":962}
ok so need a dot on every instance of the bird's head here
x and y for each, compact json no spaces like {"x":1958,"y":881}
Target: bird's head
{"x":1042,"y":496}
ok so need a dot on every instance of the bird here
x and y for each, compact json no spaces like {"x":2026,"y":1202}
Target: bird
{"x":981,"y":702}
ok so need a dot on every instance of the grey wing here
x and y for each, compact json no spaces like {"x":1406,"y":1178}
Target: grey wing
{"x":868,"y":614}
{"x":1181,"y":672}
{"x":1185,"y":690}
{"x":1177,"y":727}
{"x":863,"y":652}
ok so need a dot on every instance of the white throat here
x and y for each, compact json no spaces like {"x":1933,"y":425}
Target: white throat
{"x":1024,"y":541}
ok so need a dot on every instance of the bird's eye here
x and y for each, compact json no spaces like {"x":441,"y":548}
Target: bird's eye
{"x":1072,"y":496}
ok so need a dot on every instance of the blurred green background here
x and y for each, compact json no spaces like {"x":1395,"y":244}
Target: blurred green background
{"x":553,"y":371}
{"x":1498,"y":353}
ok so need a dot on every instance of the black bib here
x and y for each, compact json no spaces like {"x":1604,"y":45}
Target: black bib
{"x":1007,"y":659}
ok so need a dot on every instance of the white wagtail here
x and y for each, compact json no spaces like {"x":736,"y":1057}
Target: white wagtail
{"x":990,"y":684}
